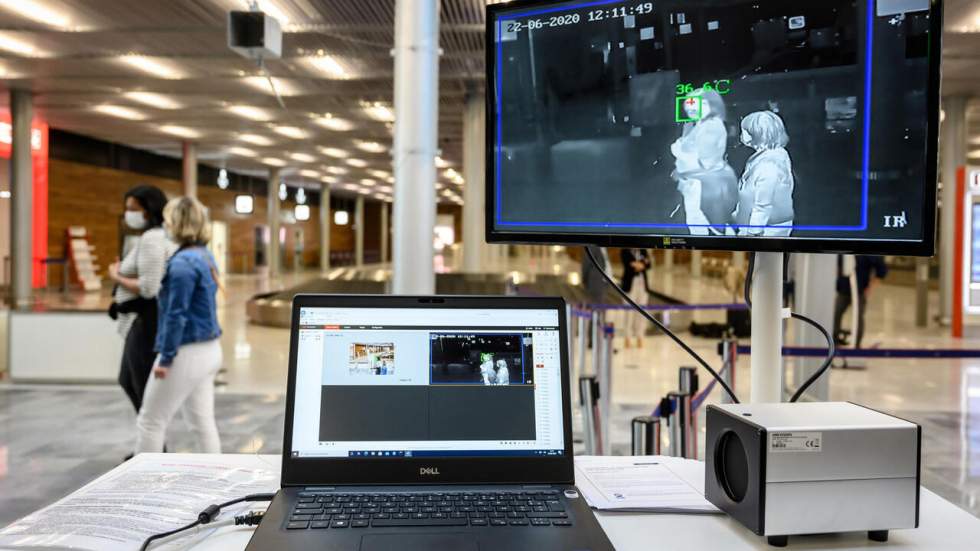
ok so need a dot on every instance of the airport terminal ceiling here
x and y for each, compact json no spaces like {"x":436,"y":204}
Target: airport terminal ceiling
{"x":150,"y":74}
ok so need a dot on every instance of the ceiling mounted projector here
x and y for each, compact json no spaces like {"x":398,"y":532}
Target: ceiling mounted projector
{"x":254,"y":34}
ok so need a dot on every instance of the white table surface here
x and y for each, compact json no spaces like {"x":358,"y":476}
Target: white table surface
{"x":942,"y":526}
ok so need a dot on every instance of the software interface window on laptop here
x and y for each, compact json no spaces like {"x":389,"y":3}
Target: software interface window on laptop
{"x":414,"y":382}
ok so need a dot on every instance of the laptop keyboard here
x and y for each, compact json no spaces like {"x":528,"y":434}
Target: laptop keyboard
{"x":319,"y":510}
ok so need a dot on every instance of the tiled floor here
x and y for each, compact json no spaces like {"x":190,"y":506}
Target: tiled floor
{"x":53,"y":439}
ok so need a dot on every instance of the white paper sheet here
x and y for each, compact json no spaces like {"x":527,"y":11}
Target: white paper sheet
{"x":120,"y":509}
{"x":642,"y":484}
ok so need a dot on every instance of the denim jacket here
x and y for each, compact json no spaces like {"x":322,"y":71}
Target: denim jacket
{"x":188,"y":313}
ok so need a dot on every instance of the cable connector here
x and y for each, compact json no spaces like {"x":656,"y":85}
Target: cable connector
{"x":252,"y":518}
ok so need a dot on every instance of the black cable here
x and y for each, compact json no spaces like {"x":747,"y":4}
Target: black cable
{"x":663,"y":328}
{"x":210,"y":513}
{"x":831,"y":345}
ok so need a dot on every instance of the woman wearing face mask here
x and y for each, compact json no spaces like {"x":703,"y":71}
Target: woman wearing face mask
{"x":189,"y":353}
{"x":765,"y":192}
{"x":137,"y":280}
{"x":704,"y":178}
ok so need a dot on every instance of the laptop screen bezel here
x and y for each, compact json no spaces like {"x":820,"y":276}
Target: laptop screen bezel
{"x":451,"y":470}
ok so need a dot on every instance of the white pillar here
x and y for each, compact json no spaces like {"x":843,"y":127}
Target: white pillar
{"x":190,"y":168}
{"x":669,"y":259}
{"x":384,"y":232}
{"x":767,"y":329}
{"x":22,"y":199}
{"x":359,"y":231}
{"x":696,"y":263}
{"x":738,"y":260}
{"x":274,"y":256}
{"x":952,"y":152}
{"x":475,"y":254}
{"x":816,"y":290}
{"x":416,"y":110}
{"x":325,"y":221}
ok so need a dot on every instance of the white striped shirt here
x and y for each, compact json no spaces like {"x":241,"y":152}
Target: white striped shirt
{"x":147,"y":262}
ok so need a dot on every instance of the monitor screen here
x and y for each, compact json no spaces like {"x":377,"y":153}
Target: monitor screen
{"x":424,"y":382}
{"x":731,"y":124}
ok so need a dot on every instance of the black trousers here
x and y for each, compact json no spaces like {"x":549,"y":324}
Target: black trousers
{"x":137,"y":359}
{"x":842,"y":304}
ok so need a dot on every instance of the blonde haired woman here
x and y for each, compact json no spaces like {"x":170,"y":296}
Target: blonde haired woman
{"x":765,"y":191}
{"x":188,"y":351}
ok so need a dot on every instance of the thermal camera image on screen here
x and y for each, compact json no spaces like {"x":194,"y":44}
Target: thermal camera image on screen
{"x":716,"y":118}
{"x":487,"y":359}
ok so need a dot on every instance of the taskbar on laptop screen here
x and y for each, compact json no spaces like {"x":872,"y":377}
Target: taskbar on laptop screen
{"x":437,"y":453}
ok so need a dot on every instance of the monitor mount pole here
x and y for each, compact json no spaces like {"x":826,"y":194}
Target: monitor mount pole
{"x":767,"y":328}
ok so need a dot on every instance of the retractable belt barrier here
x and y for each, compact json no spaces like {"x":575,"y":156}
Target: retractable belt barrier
{"x":908,"y":353}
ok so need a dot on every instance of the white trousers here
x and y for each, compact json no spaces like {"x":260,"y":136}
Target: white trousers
{"x":188,"y":386}
{"x":635,"y":324}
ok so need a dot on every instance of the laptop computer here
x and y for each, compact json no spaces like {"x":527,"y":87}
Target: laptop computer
{"x":436,"y":423}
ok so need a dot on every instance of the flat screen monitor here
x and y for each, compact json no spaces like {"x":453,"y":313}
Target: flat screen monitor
{"x":759,"y":125}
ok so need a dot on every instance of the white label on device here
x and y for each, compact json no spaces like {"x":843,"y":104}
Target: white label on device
{"x":796,"y":442}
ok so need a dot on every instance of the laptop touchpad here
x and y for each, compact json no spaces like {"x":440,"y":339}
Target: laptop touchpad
{"x":409,"y":541}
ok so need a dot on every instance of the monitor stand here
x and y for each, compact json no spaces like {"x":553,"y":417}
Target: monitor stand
{"x":767,"y":329}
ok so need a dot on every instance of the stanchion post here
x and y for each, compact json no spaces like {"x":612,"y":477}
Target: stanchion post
{"x":605,"y":384}
{"x":587,"y":388}
{"x":688,"y":386}
{"x":596,"y":339}
{"x":729,"y":349}
{"x":646,"y":435}
{"x":582,"y":343}
{"x":678,"y":423}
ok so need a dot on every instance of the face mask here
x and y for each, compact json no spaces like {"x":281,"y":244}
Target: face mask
{"x":135,"y":219}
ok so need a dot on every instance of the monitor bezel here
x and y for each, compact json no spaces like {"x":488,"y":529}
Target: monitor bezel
{"x":404,"y":470}
{"x":924,"y":247}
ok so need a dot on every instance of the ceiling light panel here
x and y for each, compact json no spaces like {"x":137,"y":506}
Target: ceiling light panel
{"x":356,"y":163}
{"x":250,"y":112}
{"x":9,"y":42}
{"x":157,"y":67}
{"x":327,"y":65}
{"x":262,"y":84}
{"x":338,"y":170}
{"x":302,"y":157}
{"x":371,"y":147}
{"x":333,"y":152}
{"x":180,"y":131}
{"x":121,"y":112}
{"x":309,"y":173}
{"x":293,"y":132}
{"x":334,"y":123}
{"x":242,"y":151}
{"x":39,"y":12}
{"x":378,"y":111}
{"x":151,"y":99}
{"x":255,"y":139}
{"x":272,"y":161}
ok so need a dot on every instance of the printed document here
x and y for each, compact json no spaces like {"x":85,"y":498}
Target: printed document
{"x":653,"y":484}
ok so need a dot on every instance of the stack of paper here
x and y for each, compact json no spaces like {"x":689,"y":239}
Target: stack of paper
{"x":652,"y":484}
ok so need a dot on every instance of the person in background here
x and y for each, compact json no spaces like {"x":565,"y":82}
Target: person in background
{"x":137,"y":281}
{"x":867,"y":270}
{"x":765,"y":191}
{"x":189,"y":353}
{"x":636,"y":262}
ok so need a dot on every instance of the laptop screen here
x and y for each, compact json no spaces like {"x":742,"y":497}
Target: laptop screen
{"x":424,"y":382}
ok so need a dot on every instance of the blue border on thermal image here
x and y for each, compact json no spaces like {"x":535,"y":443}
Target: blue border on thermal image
{"x":865,"y":161}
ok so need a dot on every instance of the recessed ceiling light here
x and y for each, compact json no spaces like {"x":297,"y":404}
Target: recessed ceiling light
{"x":352,"y":187}
{"x":367,"y":182}
{"x":382,"y":174}
{"x":333,"y":152}
{"x":242,"y":151}
{"x":180,"y":131}
{"x":327,"y":65}
{"x":272,"y":161}
{"x":293,"y":132}
{"x":309,"y":173}
{"x":371,"y":147}
{"x":255,"y":139}
{"x":442,"y":163}
{"x":453,"y":176}
{"x":339,"y":170}
{"x":302,"y":157}
{"x":380,"y":196}
{"x":17,"y":46}
{"x":152,"y":66}
{"x":302,"y":212}
{"x":385,"y":189}
{"x":334,"y":123}
{"x":153,"y":100}
{"x":378,"y":111}
{"x":38,"y":12}
{"x":262,"y":85}
{"x":356,"y":163}
{"x":329,"y":180}
{"x":121,"y":112}
{"x":250,"y":112}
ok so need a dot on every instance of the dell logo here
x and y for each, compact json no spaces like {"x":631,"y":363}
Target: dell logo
{"x":429,"y":471}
